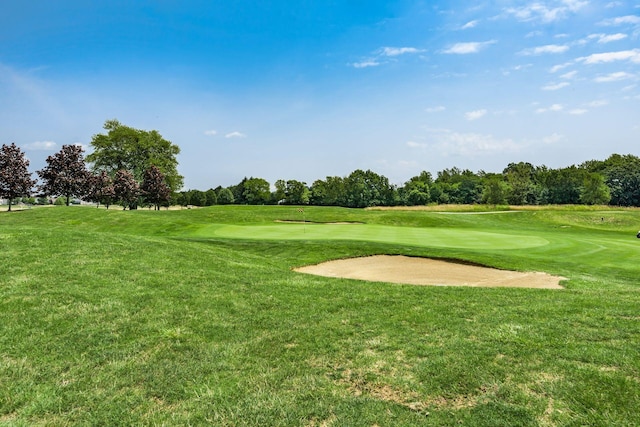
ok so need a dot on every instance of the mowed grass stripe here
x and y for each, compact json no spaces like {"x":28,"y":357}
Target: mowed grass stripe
{"x":415,"y":236}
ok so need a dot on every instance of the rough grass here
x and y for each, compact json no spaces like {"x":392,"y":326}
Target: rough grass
{"x":125,"y":318}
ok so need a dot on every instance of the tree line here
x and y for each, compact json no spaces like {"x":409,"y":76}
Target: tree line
{"x":614,"y":181}
{"x":133,"y":167}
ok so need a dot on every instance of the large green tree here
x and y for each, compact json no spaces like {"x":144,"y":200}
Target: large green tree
{"x":416,"y":191}
{"x":256,"y":191}
{"x":594,"y":191}
{"x":622,"y":174}
{"x":367,"y":188}
{"x":291,"y":192}
{"x":519,"y":176}
{"x":136,"y":151}
{"x":328,"y":192}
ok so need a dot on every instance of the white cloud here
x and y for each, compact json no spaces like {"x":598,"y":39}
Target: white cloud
{"x":467,"y":48}
{"x":436,"y":109}
{"x":396,"y":51}
{"x":570,"y":75}
{"x":210,"y":132}
{"x":559,"y":67}
{"x":614,"y":77}
{"x":578,"y":111}
{"x":629,"y":19}
{"x":555,"y":86}
{"x":380,"y":56}
{"x":553,"y":108}
{"x":470,"y":24}
{"x":235,"y":135}
{"x":413,"y":144}
{"x":608,"y":38}
{"x":366,"y":63}
{"x":623,"y":55}
{"x":538,"y":11}
{"x":598,"y":103}
{"x":471,"y":144}
{"x":553,"y":138}
{"x":550,"y":48}
{"x":475,"y":115}
{"x":41,"y":146}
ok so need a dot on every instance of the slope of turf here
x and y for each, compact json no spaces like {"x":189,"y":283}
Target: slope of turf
{"x":147,"y":318}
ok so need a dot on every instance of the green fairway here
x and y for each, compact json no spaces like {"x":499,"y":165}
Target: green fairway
{"x":429,"y":237}
{"x":195,"y":317}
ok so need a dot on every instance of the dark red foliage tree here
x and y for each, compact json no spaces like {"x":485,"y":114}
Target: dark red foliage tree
{"x":15,"y":179}
{"x":154,"y":188}
{"x":65,"y":174}
{"x":126,"y":189}
{"x":101,"y":189}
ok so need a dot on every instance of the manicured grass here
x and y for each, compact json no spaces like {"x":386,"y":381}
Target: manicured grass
{"x":195,"y":317}
{"x":415,"y":236}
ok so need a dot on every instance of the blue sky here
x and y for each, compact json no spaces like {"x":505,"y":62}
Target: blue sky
{"x":304,"y":89}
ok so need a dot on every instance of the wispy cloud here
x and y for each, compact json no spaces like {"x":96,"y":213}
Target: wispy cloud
{"x":623,"y":55}
{"x":366,"y":63}
{"x":475,"y":115}
{"x":550,"y":48}
{"x":414,"y":144}
{"x":384,"y":55}
{"x":552,"y":139}
{"x":211,"y":132}
{"x":552,"y":108}
{"x":614,"y":77}
{"x":470,"y":24}
{"x":598,"y":103}
{"x":621,"y":20}
{"x":570,"y":75}
{"x":467,"y":48}
{"x":607,"y":38}
{"x":454,"y":143}
{"x":396,"y":51}
{"x":555,"y":86}
{"x":235,"y":135}
{"x":559,"y":67}
{"x":41,"y":146}
{"x":541,"y":11}
{"x":578,"y":111}
{"x":436,"y":109}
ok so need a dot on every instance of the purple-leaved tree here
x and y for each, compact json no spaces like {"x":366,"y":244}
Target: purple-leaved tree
{"x":65,"y":174}
{"x":101,"y":189}
{"x":15,"y":178}
{"x":154,"y":188}
{"x":126,"y":189}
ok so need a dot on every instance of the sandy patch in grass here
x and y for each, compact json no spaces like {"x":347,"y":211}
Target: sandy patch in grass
{"x":424,"y":271}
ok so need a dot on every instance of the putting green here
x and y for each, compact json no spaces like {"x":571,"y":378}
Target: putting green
{"x":430,"y":237}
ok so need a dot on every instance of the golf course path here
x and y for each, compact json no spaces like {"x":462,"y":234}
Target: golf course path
{"x":424,"y":271}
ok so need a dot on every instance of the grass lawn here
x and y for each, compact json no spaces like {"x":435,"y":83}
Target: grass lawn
{"x":195,"y":317}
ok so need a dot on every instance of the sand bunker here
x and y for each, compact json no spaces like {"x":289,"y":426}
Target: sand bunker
{"x":424,"y":271}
